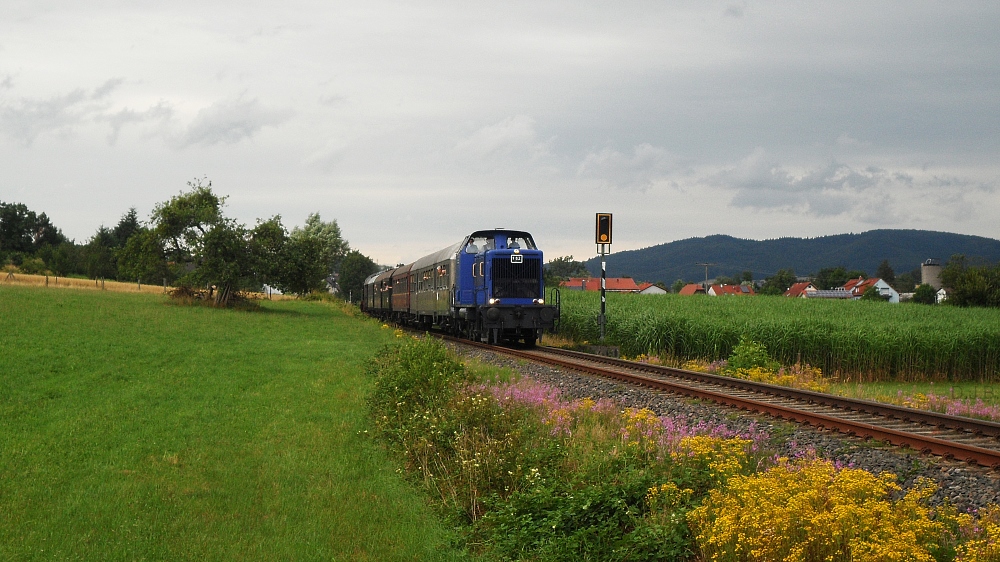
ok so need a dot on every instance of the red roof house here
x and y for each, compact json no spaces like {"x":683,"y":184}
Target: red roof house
{"x":692,"y":289}
{"x":857,"y":288}
{"x":800,"y":290}
{"x":730,"y":290}
{"x":611,"y":284}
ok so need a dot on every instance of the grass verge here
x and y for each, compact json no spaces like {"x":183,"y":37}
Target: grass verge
{"x":134,"y":428}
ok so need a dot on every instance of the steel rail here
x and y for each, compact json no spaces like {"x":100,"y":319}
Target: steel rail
{"x":977,"y":427}
{"x":923,"y":443}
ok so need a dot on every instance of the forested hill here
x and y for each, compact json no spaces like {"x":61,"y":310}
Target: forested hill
{"x":905,"y":250}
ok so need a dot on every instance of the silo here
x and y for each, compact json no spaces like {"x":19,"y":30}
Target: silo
{"x":930,"y":273}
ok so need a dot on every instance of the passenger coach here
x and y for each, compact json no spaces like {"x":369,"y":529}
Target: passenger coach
{"x":487,"y":287}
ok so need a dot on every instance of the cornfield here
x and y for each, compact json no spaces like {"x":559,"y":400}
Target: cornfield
{"x":852,"y":340}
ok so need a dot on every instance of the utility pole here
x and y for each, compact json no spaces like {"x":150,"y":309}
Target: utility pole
{"x":706,"y":273}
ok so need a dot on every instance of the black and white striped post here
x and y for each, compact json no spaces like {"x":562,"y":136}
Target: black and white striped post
{"x":603,"y":239}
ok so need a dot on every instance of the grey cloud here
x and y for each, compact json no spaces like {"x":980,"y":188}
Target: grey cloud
{"x":513,"y":135}
{"x":25,"y":120}
{"x":868,"y":194}
{"x":230,"y":121}
{"x":637,"y":171}
{"x":161,"y":112}
{"x":104,"y":89}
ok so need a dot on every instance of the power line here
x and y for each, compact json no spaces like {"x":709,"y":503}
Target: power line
{"x":706,"y":272}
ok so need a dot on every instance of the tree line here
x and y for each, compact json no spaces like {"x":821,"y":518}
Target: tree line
{"x":189,"y":242}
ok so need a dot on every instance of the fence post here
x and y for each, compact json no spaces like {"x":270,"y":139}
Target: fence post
{"x":46,"y":280}
{"x":164,"y":285}
{"x":102,"y":283}
{"x":138,"y":283}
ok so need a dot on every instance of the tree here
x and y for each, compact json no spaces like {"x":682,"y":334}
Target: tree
{"x":62,"y":259}
{"x":971,"y":285}
{"x":778,"y":283}
{"x":126,"y":227}
{"x":332,"y":244}
{"x":99,"y":255}
{"x":183,"y":221}
{"x":831,"y":278}
{"x":872,"y":294}
{"x":21,"y":230}
{"x":355,"y":268}
{"x":305,"y":266}
{"x":907,"y":282}
{"x":885,"y":272}
{"x":678,"y":285}
{"x":925,"y":294}
{"x":561,"y":269}
{"x":143,"y":258}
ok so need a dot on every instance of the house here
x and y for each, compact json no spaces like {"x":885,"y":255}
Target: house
{"x":731,"y":290}
{"x":800,"y":290}
{"x":650,"y":289}
{"x":611,"y":284}
{"x":692,"y":289}
{"x":857,"y":288}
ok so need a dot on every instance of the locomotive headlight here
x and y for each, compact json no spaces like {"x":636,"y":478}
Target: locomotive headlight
{"x":538,"y":301}
{"x":494,"y":301}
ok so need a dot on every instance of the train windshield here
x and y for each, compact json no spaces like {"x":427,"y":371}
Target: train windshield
{"x":520,"y":242}
{"x":479,"y":244}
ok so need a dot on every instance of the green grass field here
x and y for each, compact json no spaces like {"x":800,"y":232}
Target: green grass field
{"x":134,"y":428}
{"x":855,"y":340}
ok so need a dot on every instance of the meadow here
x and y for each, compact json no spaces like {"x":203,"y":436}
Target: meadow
{"x":135,"y":428}
{"x":854,"y":341}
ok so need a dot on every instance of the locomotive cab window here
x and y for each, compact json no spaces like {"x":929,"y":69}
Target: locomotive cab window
{"x":520,"y":242}
{"x":476,"y":245}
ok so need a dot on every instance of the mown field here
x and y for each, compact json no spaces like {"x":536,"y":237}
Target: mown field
{"x":134,"y":428}
{"x":856,"y":341}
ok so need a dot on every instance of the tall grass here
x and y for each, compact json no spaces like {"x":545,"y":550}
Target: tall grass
{"x":853,"y":340}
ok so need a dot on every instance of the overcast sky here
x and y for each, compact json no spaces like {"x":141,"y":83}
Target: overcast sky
{"x":414,"y":123}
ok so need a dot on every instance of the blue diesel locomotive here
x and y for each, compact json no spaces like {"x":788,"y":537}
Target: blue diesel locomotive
{"x":488,"y":287}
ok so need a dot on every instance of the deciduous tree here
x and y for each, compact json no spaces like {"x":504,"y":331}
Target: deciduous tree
{"x":353,"y":271}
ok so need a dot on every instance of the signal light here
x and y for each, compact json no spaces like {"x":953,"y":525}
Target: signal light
{"x":603,"y":228}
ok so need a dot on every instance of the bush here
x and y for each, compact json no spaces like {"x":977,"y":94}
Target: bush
{"x":416,"y":377}
{"x":811,"y":510}
{"x":925,"y":294}
{"x":749,"y":354}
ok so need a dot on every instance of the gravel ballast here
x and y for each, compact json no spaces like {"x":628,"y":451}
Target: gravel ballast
{"x":967,"y":487}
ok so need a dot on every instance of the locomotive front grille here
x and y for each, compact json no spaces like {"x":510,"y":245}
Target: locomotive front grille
{"x":517,"y":280}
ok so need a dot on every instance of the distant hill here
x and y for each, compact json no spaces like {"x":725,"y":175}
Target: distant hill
{"x":905,"y":250}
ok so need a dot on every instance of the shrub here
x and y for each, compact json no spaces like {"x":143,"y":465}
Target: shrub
{"x":924,"y":294}
{"x":749,"y":354}
{"x":412,"y":381}
{"x":810,"y":510}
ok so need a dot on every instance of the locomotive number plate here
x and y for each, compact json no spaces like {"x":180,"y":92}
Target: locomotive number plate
{"x":516,"y":258}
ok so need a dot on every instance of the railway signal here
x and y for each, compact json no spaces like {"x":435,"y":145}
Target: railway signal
{"x":603,"y":228}
{"x":603,"y":239}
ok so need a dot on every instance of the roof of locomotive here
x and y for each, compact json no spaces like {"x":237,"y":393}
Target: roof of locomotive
{"x":449,"y":252}
{"x":495,"y":231}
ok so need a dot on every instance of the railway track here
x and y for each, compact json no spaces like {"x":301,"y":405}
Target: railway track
{"x":966,"y":439}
